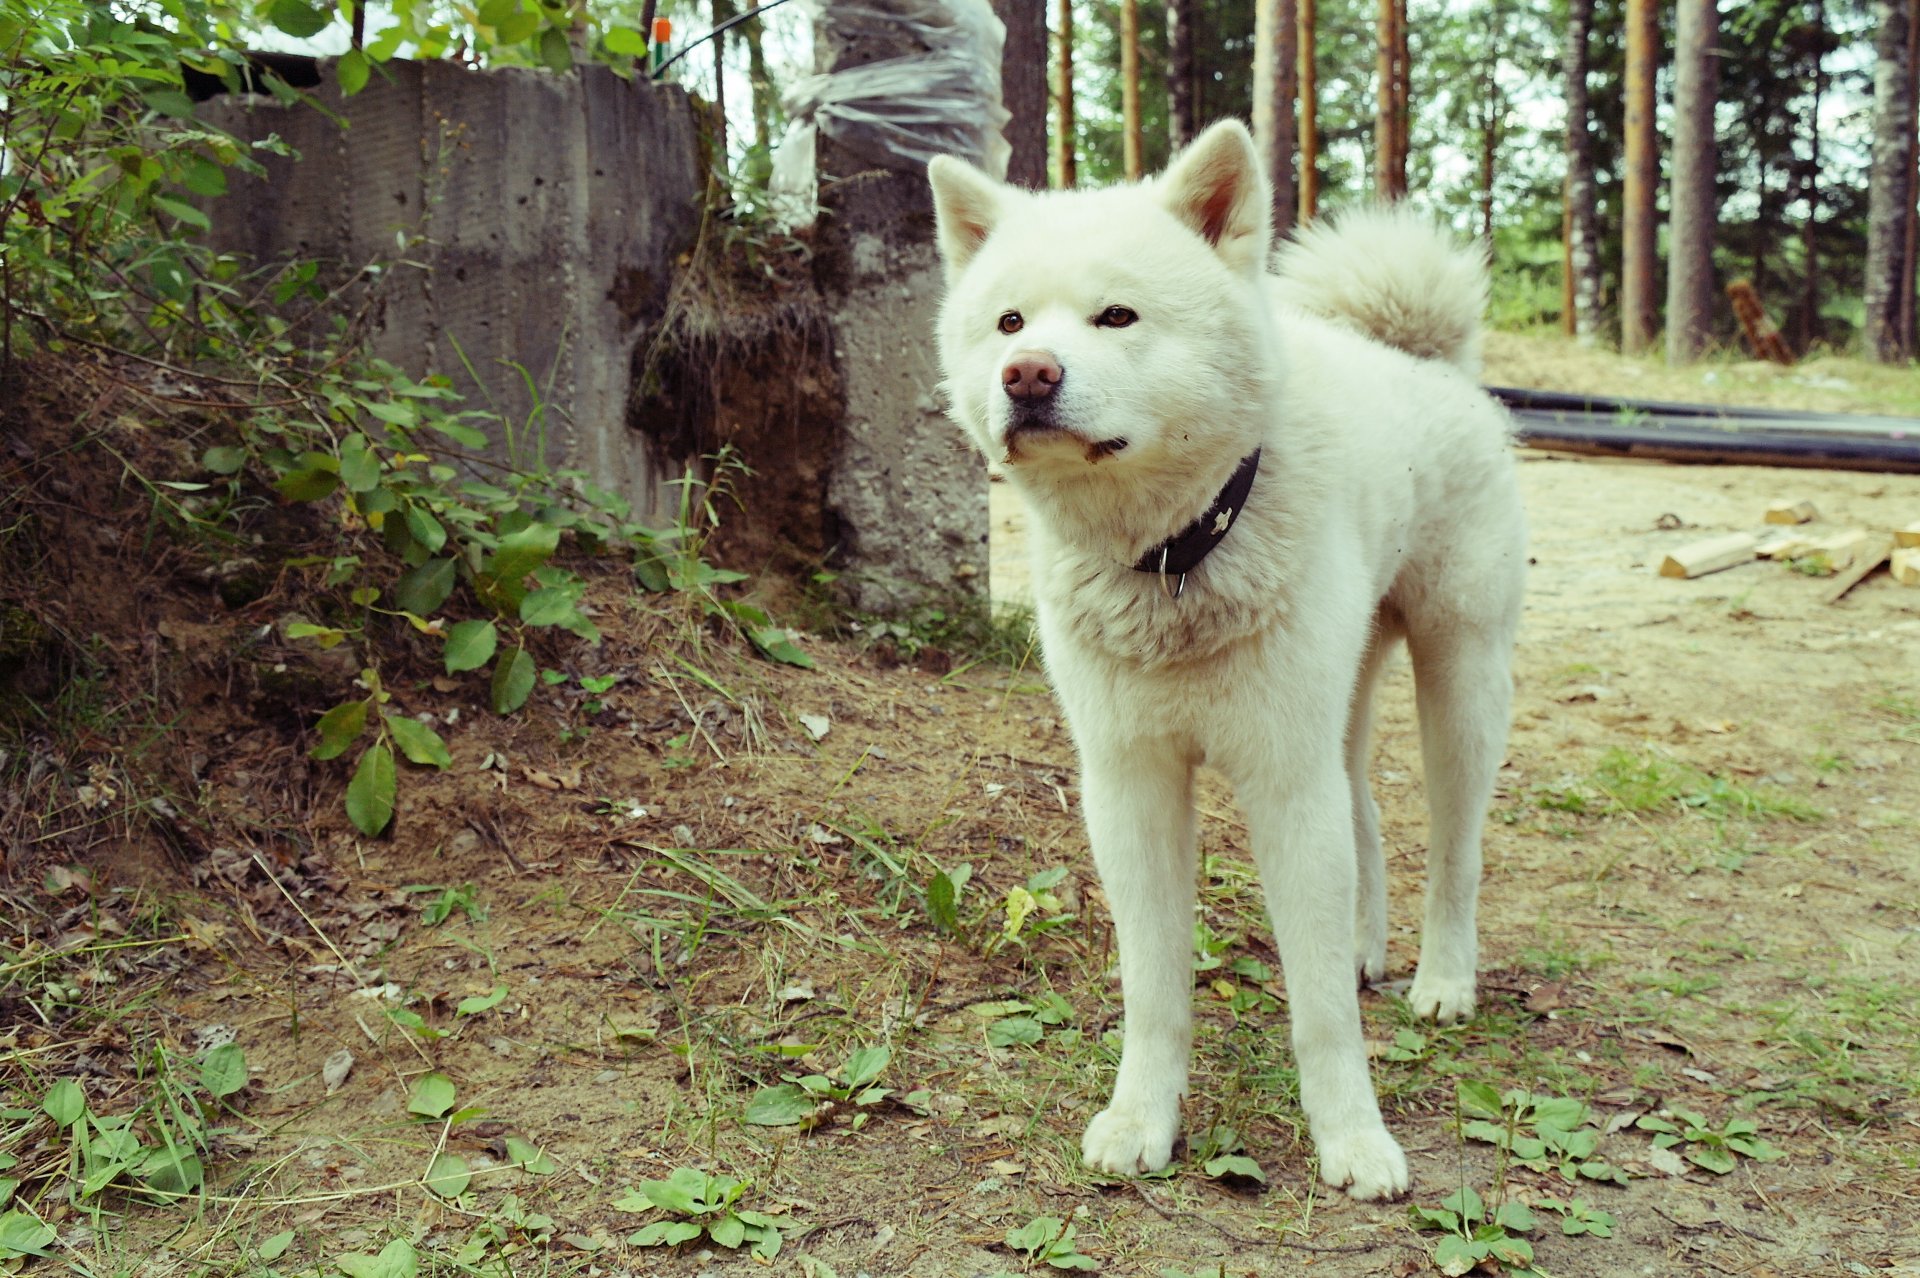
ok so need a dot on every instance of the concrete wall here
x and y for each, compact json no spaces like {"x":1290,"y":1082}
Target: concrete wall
{"x":542,"y":217}
{"x":910,"y":495}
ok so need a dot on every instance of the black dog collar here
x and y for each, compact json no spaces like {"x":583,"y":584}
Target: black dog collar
{"x":1179,"y":554}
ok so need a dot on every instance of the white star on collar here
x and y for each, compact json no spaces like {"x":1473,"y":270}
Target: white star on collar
{"x":1222,"y":521}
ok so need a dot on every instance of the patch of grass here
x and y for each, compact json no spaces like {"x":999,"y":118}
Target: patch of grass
{"x":1651,"y":783}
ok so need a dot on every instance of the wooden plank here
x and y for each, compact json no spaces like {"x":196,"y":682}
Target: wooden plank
{"x":1867,"y":556}
{"x":1904,"y":564}
{"x":1698,"y":558}
{"x":1788,"y":511}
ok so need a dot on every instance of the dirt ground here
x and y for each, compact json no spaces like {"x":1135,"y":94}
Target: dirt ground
{"x":1702,"y":893}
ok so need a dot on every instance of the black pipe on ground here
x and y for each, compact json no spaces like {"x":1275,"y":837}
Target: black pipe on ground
{"x":1711,"y":434}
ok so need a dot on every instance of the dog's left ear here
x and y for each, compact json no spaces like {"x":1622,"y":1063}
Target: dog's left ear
{"x":1216,"y":187}
{"x":966,"y":205}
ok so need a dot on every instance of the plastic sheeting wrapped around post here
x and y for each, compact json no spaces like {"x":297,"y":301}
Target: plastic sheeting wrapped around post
{"x":897,"y":112}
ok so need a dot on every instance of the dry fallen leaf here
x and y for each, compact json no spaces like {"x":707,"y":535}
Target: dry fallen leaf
{"x":816,"y":725}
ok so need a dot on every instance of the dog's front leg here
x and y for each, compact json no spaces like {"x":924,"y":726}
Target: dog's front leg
{"x":1139,"y":807}
{"x":1303,"y":841}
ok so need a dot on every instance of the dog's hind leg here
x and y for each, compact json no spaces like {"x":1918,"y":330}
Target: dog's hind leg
{"x":1370,"y":902}
{"x":1463,"y":687}
{"x":1140,"y":820}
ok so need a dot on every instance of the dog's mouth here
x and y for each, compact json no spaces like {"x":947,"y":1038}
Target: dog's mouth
{"x":1028,"y":439}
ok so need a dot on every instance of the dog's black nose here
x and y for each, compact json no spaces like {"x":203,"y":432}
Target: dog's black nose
{"x":1031,"y":375}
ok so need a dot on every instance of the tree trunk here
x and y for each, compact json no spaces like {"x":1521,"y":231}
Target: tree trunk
{"x":1023,"y":90}
{"x":1637,"y":229}
{"x":1276,"y":61}
{"x":1907,"y":258}
{"x":1389,"y":146}
{"x":1692,"y":208}
{"x":759,"y":84}
{"x":719,"y":11}
{"x":1809,"y":328}
{"x":1492,"y":116}
{"x":1065,"y":168}
{"x":1582,"y":231}
{"x":1130,"y":88}
{"x":1889,"y":188}
{"x":1180,"y":117}
{"x":1308,"y":19}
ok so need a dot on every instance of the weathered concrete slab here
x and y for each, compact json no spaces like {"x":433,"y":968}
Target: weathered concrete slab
{"x":533,"y":221}
{"x":911,"y":497}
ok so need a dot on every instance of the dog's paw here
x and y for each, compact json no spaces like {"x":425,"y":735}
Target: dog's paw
{"x":1130,"y":1139}
{"x":1370,"y":960}
{"x":1441,"y":999}
{"x":1367,"y":1164}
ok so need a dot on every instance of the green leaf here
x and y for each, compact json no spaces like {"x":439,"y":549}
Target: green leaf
{"x":65,"y":1103}
{"x":1514,"y":1216}
{"x":307,"y":483}
{"x":276,"y":1246}
{"x":1715,"y":1159}
{"x":512,"y":681}
{"x":1036,"y":1235}
{"x":299,"y":19}
{"x":548,"y":606}
{"x":432,"y":1095}
{"x":554,"y":51}
{"x":172,"y":1171}
{"x":224,"y":460}
{"x":425,"y":528}
{"x":527,"y":1158}
{"x":865,"y":1065}
{"x":422,"y":590}
{"x":1456,"y":1256}
{"x":624,"y":41}
{"x":780,"y":1106}
{"x":371,"y":793}
{"x":1434,"y":1218}
{"x":1235,"y":1165}
{"x":1515,"y":1253}
{"x":1465,"y":1201}
{"x":447,"y":1176}
{"x":396,"y":1260}
{"x":478,"y":1003}
{"x":224,"y":1071}
{"x":418,"y":742}
{"x":521,"y":552}
{"x":181,"y":211}
{"x":353,"y":70}
{"x":470,"y":645}
{"x":1015,"y":1031}
{"x":729,"y":1231}
{"x":22,"y":1235}
{"x":1479,"y":1099}
{"x":776,"y":644}
{"x":666,"y":1233}
{"x":359,"y":464}
{"x":339,"y":728}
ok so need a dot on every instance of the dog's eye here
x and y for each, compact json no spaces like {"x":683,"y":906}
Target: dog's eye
{"x":1011,"y":322}
{"x":1115,"y":317}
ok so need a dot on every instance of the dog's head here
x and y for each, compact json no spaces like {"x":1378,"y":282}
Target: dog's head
{"x":1121,"y":327}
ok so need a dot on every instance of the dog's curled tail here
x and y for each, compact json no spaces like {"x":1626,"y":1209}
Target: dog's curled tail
{"x":1393,"y":275}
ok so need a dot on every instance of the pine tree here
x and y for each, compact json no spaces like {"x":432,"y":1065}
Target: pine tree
{"x":1692,"y":206}
{"x":1890,"y":184}
{"x":1637,"y":228}
{"x":1582,"y":236}
{"x":1276,"y":64}
{"x":1023,"y":90}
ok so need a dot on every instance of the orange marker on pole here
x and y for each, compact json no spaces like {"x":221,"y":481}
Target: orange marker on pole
{"x":657,"y":49}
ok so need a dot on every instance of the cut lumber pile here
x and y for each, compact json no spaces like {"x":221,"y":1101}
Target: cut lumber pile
{"x":1698,"y":558}
{"x":1848,"y":556}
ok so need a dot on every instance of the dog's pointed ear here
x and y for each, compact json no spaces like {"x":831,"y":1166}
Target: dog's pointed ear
{"x":966,"y":205}
{"x":1216,"y":187}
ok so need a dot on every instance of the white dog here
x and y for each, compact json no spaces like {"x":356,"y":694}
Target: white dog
{"x":1241,"y":495}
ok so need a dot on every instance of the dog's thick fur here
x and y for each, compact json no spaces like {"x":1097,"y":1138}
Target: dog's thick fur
{"x":1385,"y":508}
